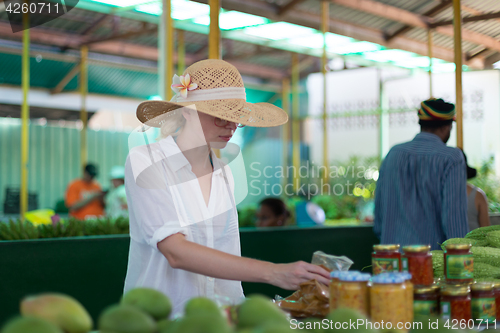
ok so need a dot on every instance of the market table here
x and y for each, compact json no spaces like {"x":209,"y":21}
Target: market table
{"x":92,"y":269}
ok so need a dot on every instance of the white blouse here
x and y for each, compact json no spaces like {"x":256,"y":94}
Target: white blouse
{"x":165,"y":198}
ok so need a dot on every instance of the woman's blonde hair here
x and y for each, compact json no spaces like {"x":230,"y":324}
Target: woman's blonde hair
{"x":172,"y":124}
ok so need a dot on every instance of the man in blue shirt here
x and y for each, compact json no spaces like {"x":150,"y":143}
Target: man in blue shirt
{"x":421,"y":195}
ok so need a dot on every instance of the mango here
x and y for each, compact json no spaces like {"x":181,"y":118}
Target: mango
{"x":151,"y":301}
{"x":30,"y":325}
{"x":125,"y":319}
{"x":345,"y":316}
{"x":257,"y":311}
{"x":202,"y":323}
{"x":201,"y":305}
{"x":62,"y":310}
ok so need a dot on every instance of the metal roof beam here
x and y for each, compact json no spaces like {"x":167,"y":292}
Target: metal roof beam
{"x":340,"y":27}
{"x":385,"y":11}
{"x":472,"y":56}
{"x":390,"y":12}
{"x":122,"y":36}
{"x":475,"y":18}
{"x":282,"y":10}
{"x":65,"y":80}
{"x":431,"y":12}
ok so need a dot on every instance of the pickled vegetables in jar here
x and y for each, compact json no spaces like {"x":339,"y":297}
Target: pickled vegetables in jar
{"x":458,"y":264}
{"x":455,"y":302}
{"x":388,"y":301}
{"x":483,"y":302}
{"x":426,"y":300}
{"x":409,"y":295}
{"x":353,"y":292}
{"x":386,"y":258}
{"x":334,"y":288}
{"x":417,"y":260}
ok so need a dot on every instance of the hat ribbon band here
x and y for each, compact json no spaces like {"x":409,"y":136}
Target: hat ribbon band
{"x":211,"y":94}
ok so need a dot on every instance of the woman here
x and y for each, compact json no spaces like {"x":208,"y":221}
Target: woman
{"x":477,"y":203}
{"x":272,"y":212}
{"x":183,"y":220}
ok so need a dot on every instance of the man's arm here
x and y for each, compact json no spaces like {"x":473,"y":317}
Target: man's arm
{"x":482,"y":209}
{"x":454,"y":196}
{"x":196,"y":258}
{"x":84,"y":202}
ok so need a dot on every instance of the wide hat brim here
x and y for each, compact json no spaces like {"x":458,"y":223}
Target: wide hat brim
{"x":154,"y":113}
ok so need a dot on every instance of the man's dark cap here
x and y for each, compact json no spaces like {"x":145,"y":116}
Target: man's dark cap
{"x":436,"y":113}
{"x":91,"y":169}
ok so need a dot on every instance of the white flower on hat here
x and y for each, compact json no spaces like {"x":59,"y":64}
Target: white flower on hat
{"x":182,"y":84}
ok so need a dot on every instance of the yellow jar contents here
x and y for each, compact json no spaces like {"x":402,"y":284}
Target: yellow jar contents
{"x":409,"y":296}
{"x":388,"y":299}
{"x":334,"y":287}
{"x":353,"y":292}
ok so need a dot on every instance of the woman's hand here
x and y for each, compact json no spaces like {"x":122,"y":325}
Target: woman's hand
{"x":289,"y":276}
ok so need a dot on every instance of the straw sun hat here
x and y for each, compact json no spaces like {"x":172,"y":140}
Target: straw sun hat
{"x":214,"y":87}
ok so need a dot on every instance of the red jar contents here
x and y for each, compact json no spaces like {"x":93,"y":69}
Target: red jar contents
{"x":455,"y":303}
{"x":496,"y":291}
{"x":426,"y":301}
{"x":386,"y":258}
{"x":418,"y":262}
{"x":458,"y":264}
{"x":483,"y":302}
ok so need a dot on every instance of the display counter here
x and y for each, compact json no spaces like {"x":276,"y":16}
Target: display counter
{"x":92,"y":269}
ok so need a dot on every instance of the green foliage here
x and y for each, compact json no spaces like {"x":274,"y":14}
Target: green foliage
{"x":489,"y":183}
{"x":18,"y":230}
{"x":246,"y":216}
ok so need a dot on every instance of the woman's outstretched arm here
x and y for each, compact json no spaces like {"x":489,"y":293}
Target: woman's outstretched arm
{"x":200,"y":259}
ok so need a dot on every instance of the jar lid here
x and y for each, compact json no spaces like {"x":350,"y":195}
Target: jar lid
{"x":482,"y":286}
{"x":458,"y":246}
{"x":355,"y":277}
{"x":426,"y":289}
{"x":455,"y":290}
{"x":336,"y":274}
{"x":386,"y":247}
{"x":386,"y":278}
{"x":416,"y":248}
{"x":496,"y":284}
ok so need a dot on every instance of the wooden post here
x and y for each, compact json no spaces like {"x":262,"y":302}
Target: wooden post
{"x":324,"y":61}
{"x":295,"y":121}
{"x":457,"y":38}
{"x":181,"y":52}
{"x":429,"y":52}
{"x":25,"y":115}
{"x":83,"y":108}
{"x":214,"y":34}
{"x":285,"y":129}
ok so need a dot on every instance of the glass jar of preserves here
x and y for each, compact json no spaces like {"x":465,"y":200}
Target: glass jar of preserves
{"x":496,"y":291}
{"x":458,"y":264}
{"x":353,"y":292}
{"x":409,"y":295}
{"x":388,"y":301}
{"x":386,"y":258}
{"x":334,"y":284}
{"x":417,"y":260}
{"x":426,"y":300}
{"x":455,"y":302}
{"x":483,"y":302}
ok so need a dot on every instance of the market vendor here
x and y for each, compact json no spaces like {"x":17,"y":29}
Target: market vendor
{"x":183,"y":219}
{"x":421,"y":195}
{"x":84,"y":197}
{"x":116,"y":198}
{"x":272,"y":212}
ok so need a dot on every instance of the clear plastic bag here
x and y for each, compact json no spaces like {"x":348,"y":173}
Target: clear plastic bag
{"x":313,"y":298}
{"x":331,"y":263}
